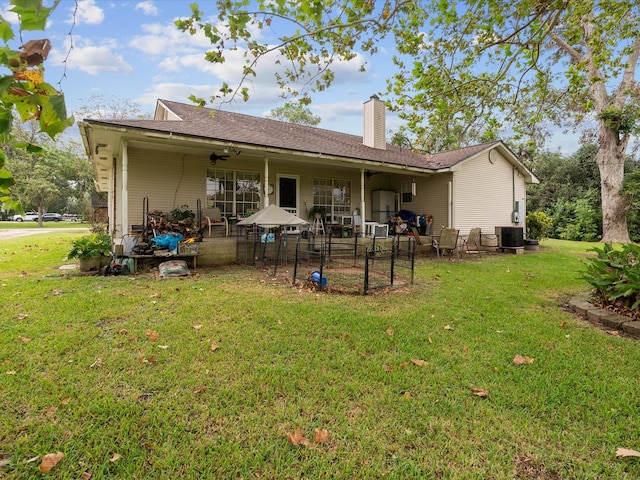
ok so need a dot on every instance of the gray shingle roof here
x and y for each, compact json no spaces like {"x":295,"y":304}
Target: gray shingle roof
{"x":246,"y":129}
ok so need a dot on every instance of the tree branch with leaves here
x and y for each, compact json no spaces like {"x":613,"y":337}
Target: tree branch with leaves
{"x":23,"y":90}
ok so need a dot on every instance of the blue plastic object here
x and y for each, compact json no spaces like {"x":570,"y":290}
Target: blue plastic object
{"x":315,"y":276}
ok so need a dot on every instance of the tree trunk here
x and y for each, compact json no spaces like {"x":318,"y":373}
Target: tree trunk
{"x":610,"y":160}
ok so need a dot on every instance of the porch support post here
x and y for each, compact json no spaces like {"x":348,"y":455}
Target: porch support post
{"x":125,"y":190}
{"x":265,"y":186}
{"x":363,"y":204}
{"x":112,"y":213}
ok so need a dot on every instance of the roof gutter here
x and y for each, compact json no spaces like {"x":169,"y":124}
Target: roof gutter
{"x":142,"y":134}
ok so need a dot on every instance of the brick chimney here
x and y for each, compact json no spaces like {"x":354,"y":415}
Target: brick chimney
{"x":374,"y":124}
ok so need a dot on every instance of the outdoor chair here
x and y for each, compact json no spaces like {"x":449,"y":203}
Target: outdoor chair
{"x":211,"y":217}
{"x":424,"y":244}
{"x":471,"y":245}
{"x":447,"y":243}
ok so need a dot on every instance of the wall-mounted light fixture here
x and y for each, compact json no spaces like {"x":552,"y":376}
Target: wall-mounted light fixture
{"x":413,"y":186}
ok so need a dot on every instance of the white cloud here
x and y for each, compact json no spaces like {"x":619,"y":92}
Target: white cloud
{"x":147,"y":7}
{"x":166,"y":40}
{"x":93,"y":59}
{"x":87,"y":13}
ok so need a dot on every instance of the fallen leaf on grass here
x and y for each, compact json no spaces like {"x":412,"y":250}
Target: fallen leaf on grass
{"x":214,"y":346}
{"x":97,"y":363}
{"x":49,"y":461}
{"x":197,"y":327}
{"x":520,"y":360}
{"x":11,"y":372}
{"x":614,"y":333}
{"x":625,"y":452}
{"x":56,"y":292}
{"x":51,"y":410}
{"x":363,"y":355}
{"x":200,"y":389}
{"x":22,"y":316}
{"x":479,"y":392}
{"x":25,"y":339}
{"x":152,"y":334}
{"x":123,"y":331}
{"x":418,"y":362}
{"x":389,"y":331}
{"x":115,"y":458}
{"x":296,"y":438}
{"x":448,"y":327}
{"x":85,"y":476}
{"x":4,"y":460}
{"x":430,"y":341}
{"x":321,"y":436}
{"x":388,"y":368}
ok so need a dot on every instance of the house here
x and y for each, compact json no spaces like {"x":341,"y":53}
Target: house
{"x":240,"y":164}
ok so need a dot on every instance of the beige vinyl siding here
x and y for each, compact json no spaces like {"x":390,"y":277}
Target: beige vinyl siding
{"x":483,"y":194}
{"x":435,"y":191}
{"x":170,"y":181}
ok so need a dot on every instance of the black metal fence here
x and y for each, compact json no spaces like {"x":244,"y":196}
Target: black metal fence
{"x":354,"y":265}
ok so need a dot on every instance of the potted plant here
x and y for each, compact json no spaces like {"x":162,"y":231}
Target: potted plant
{"x":90,"y":250}
{"x":538,"y":226}
{"x":317,"y":213}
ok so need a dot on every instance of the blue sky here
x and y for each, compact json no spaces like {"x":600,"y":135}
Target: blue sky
{"x":130,"y":49}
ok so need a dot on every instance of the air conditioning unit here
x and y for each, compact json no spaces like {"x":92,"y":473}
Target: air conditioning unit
{"x":381,"y":231}
{"x":510,"y":237}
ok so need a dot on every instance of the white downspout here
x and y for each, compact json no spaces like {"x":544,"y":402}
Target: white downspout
{"x":125,"y":190}
{"x":450,"y":205}
{"x":265,"y":192}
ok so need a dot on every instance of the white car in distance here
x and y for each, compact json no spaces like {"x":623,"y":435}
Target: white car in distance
{"x":27,"y":217}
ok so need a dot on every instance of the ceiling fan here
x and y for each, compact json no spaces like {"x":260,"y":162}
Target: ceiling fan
{"x":214,"y":157}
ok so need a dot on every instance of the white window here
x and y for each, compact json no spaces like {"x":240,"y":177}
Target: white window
{"x":233,"y":191}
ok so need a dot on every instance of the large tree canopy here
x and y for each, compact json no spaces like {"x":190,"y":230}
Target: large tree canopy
{"x":468,"y":67}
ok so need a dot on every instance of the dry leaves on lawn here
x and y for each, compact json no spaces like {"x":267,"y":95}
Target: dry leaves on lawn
{"x":321,"y":436}
{"x":115,"y":458}
{"x":418,"y":362}
{"x":389,"y":331}
{"x":626,"y":452}
{"x":520,"y":360}
{"x":49,"y":461}
{"x":152,"y":334}
{"x":480,"y":392}
{"x":296,"y":438}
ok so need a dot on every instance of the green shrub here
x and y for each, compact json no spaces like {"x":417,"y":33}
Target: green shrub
{"x":95,"y":245}
{"x":615,"y":274}
{"x":538,"y":225}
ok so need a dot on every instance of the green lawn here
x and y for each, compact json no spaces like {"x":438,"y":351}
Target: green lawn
{"x":135,"y":377}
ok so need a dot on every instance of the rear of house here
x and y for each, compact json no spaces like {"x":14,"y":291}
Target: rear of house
{"x":240,"y":164}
